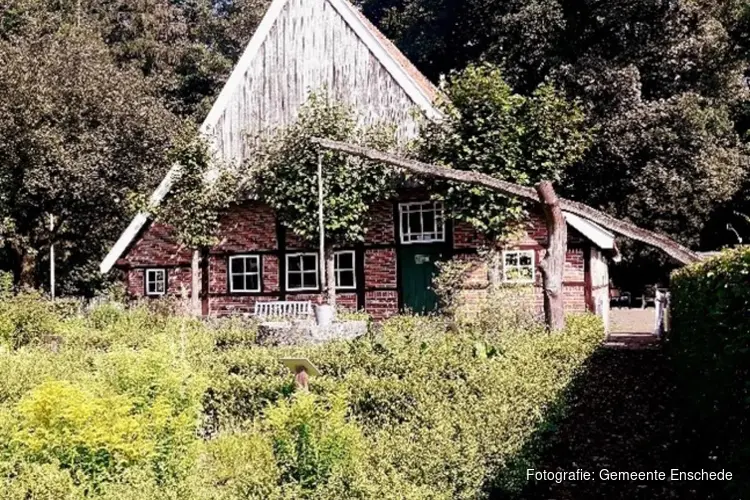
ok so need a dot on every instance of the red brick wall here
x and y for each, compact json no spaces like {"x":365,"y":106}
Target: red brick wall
{"x":156,"y":246}
{"x":247,"y":227}
{"x":380,"y":268}
{"x":251,"y":227}
{"x":380,"y":228}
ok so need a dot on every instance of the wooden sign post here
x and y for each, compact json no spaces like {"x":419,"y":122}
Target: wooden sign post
{"x":302,"y":369}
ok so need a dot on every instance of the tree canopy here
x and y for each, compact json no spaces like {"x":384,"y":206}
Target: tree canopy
{"x":663,"y":85}
{"x":489,"y":129}
{"x":286,"y":173}
{"x":77,"y":137}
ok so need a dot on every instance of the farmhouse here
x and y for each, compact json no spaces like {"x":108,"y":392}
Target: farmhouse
{"x":328,"y":46}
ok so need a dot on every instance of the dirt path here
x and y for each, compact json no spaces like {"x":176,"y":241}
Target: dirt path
{"x":621,"y":419}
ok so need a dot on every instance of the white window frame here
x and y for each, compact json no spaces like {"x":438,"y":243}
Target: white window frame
{"x":147,"y":278}
{"x":245,"y":273}
{"x":353,"y":269}
{"x":533,"y":266}
{"x":317,"y":273}
{"x":407,"y":236}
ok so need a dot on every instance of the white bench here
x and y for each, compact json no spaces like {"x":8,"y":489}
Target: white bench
{"x":283,"y":309}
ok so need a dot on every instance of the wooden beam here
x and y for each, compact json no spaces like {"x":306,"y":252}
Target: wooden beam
{"x":678,"y":252}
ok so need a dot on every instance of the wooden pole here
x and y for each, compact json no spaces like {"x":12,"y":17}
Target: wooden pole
{"x":553,"y":263}
{"x":671,"y":247}
{"x":301,"y":379}
{"x":195,"y":284}
{"x":321,"y":225}
{"x":52,"y":258}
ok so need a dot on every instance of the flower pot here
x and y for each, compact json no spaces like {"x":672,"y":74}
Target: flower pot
{"x":324,"y":315}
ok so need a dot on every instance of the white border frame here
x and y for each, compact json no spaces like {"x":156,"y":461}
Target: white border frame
{"x":145,"y":282}
{"x":317,"y":272}
{"x":259,"y":273}
{"x":354,"y":269}
{"x":533,"y":267}
{"x":421,"y":203}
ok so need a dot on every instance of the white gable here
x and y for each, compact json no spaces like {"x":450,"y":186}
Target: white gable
{"x":303,"y":46}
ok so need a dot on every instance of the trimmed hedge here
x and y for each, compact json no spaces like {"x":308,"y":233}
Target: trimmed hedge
{"x":138,"y":404}
{"x":710,"y":348}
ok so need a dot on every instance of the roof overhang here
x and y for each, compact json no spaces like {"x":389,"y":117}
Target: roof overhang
{"x":595,"y":233}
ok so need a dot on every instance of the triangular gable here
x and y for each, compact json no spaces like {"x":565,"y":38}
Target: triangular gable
{"x":419,"y":90}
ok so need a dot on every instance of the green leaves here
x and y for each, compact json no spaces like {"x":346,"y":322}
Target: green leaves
{"x":285,"y":171}
{"x":201,"y":189}
{"x":491,"y":130}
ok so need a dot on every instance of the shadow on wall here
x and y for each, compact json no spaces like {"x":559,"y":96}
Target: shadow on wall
{"x":618,"y":415}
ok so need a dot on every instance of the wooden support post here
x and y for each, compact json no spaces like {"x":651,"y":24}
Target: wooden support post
{"x":301,"y":379}
{"x":195,"y":284}
{"x":553,"y":264}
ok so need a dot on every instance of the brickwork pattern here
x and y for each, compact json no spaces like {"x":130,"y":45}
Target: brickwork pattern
{"x":251,"y":228}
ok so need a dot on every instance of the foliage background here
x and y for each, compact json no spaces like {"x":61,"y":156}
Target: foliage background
{"x":138,"y":403}
{"x":710,"y":350}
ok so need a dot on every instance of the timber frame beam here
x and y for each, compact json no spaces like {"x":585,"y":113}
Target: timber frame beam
{"x":678,"y":252}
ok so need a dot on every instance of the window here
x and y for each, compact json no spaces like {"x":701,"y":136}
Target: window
{"x":422,"y":222}
{"x":345,"y":274}
{"x":302,"y":271}
{"x":156,"y":281}
{"x":518,"y":266}
{"x":244,"y":273}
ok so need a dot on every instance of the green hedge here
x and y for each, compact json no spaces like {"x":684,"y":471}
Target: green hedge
{"x":710,"y":347}
{"x":138,"y":404}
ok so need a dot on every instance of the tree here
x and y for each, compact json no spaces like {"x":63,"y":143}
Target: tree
{"x":77,"y":137}
{"x":286,"y":169}
{"x":185,"y":49}
{"x":650,"y":76}
{"x":200,"y":191}
{"x":489,"y":129}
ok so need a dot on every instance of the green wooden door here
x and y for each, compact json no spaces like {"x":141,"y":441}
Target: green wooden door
{"x":417,"y":264}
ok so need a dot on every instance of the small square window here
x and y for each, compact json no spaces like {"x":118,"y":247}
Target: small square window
{"x":518,"y":266}
{"x":345,"y":271}
{"x":244,"y":273}
{"x":422,"y":222}
{"x":302,"y":271}
{"x":156,"y":282}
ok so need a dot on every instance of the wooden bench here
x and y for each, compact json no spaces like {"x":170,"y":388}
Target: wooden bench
{"x":283,"y":309}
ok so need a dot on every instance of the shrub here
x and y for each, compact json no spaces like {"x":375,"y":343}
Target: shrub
{"x":26,"y":319}
{"x":311,"y":440}
{"x":140,"y":404}
{"x":709,"y":346}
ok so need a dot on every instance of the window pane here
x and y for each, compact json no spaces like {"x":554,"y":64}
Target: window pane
{"x":309,"y":262}
{"x":345,"y":279}
{"x":525,"y":273}
{"x":428,"y":219}
{"x":310,"y":280}
{"x":251,"y":282}
{"x":251,"y":264}
{"x":295,"y":280}
{"x":345,"y":261}
{"x":525,"y":259}
{"x":415,"y":223}
{"x":511,"y":259}
{"x":238,"y":283}
{"x":295,"y":263}
{"x":150,"y":287}
{"x":237,"y":265}
{"x":160,"y":283}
